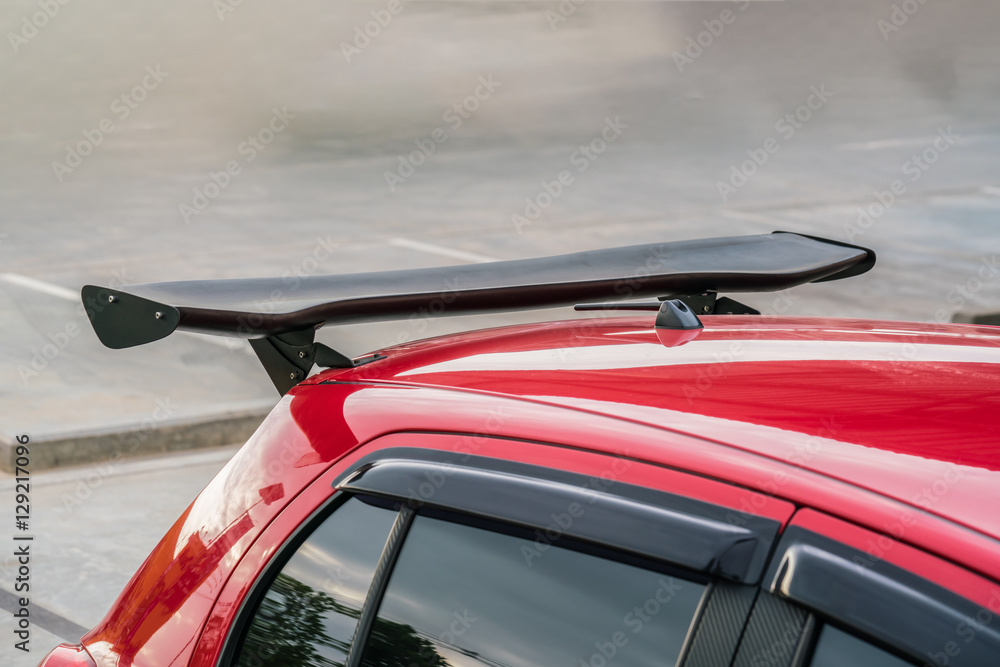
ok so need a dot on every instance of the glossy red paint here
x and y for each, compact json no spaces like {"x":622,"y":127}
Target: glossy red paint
{"x":924,"y":390}
{"x":904,"y":410}
{"x":68,"y":655}
{"x":162,"y":609}
{"x":611,"y":469}
{"x":873,"y":423}
{"x":377,"y":410}
{"x":876,"y":547}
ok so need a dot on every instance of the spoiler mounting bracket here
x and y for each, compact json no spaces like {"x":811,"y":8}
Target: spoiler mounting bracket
{"x":289,"y":357}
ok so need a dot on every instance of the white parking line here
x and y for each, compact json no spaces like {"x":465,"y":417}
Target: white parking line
{"x":901,"y":142}
{"x":441,"y":250}
{"x":40,"y":286}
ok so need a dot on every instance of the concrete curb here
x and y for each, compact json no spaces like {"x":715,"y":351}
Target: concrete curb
{"x":113,"y":444}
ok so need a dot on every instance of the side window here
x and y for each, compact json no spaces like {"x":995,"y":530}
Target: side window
{"x":462,"y":596}
{"x":836,"y":648}
{"x":308,"y":615}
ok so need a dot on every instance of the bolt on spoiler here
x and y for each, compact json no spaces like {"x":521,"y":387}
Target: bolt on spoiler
{"x":289,"y":310}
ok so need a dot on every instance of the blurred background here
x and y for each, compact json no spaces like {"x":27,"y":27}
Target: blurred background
{"x":203,"y":139}
{"x":163,"y":141}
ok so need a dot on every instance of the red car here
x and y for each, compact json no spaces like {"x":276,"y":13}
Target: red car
{"x":694,"y":486}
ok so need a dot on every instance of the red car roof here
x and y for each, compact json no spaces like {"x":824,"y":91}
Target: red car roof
{"x":868,"y":421}
{"x":906,"y":410}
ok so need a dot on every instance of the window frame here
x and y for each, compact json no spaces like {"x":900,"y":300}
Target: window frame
{"x":526,"y":494}
{"x":349,"y":480}
{"x":358,"y":474}
{"x":405,"y":515}
{"x":380,"y":585}
{"x":248,"y":607}
{"x":808,"y":561}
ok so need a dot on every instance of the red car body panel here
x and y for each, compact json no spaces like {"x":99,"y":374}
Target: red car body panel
{"x":980,"y":590}
{"x":851,"y":400}
{"x":611,"y":469}
{"x":889,"y":427}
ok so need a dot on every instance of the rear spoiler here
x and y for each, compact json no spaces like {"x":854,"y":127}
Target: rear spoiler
{"x":280,"y":315}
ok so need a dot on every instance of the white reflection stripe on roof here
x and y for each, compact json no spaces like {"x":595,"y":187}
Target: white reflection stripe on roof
{"x":642,"y":355}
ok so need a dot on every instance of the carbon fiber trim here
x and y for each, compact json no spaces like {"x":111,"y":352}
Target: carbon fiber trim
{"x":773,"y":634}
{"x":720,"y":627}
{"x":878,"y":599}
{"x":379,"y":583}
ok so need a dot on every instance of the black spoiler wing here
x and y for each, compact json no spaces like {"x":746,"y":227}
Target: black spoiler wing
{"x":266,"y":308}
{"x":262,"y":307}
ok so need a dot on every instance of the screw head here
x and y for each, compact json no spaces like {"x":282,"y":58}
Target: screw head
{"x":158,"y":315}
{"x":706,"y":309}
{"x":112,"y":298}
{"x":291,"y":376}
{"x":302,"y":355}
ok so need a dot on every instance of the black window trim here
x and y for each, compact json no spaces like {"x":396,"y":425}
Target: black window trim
{"x":800,"y":564}
{"x":570,"y":543}
{"x":706,"y":537}
{"x":879,"y":601}
{"x":718,"y":625}
{"x":407,"y":514}
{"x":465,"y":503}
{"x":380,"y":581}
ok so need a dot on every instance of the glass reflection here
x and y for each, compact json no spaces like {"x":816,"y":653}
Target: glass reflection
{"x":308,"y":616}
{"x":836,"y":648}
{"x":466,"y":597}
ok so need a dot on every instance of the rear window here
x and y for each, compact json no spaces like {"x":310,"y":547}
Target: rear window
{"x":464,"y":596}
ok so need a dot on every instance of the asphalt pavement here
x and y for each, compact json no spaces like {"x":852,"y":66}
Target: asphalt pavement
{"x":263,"y":142}
{"x":92,"y":528}
{"x":196,"y":140}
